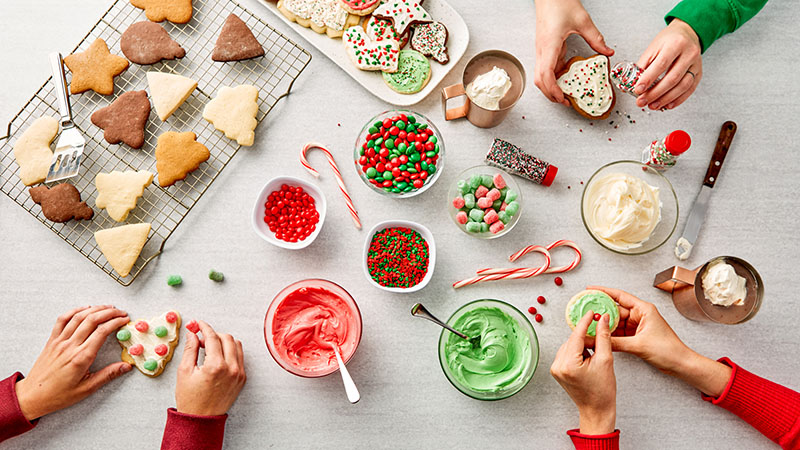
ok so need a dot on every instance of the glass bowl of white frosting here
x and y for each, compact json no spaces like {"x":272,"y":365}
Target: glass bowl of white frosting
{"x":629,"y":208}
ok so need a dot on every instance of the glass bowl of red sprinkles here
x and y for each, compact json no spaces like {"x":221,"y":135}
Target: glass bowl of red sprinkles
{"x":399,"y":153}
{"x":302,"y":214}
{"x":399,"y":256}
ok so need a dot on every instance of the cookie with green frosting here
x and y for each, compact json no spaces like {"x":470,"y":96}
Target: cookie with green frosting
{"x":413,"y":73}
{"x":592,"y":300}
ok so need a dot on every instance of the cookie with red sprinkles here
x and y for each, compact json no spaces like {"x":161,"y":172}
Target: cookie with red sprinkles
{"x":360,"y":7}
{"x":430,"y":39}
{"x":403,"y":13}
{"x":586,"y":83}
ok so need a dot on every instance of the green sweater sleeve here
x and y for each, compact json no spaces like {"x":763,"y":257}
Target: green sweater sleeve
{"x":712,"y":19}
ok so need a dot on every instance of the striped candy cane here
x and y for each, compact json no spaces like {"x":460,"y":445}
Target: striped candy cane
{"x":559,"y":243}
{"x":339,"y":179}
{"x":524,"y":273}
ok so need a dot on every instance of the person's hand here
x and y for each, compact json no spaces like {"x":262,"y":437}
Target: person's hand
{"x":676,"y":51}
{"x":643,"y":332}
{"x":210,"y":389}
{"x":60,"y":377}
{"x":555,"y":21}
{"x":589,"y":380}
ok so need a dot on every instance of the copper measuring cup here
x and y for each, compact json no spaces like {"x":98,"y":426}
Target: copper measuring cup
{"x":686,"y":287}
{"x":479,"y":64}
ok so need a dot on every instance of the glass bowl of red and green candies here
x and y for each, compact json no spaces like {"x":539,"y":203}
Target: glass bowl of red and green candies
{"x":485,"y":202}
{"x":399,"y":153}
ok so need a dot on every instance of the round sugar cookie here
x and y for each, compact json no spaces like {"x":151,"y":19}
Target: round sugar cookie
{"x":413,"y":73}
{"x":597,"y":301}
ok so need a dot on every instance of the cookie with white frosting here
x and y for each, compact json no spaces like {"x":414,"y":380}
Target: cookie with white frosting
{"x":150,"y":344}
{"x":586,"y":83}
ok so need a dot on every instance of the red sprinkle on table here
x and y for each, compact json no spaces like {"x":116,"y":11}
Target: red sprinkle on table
{"x":291,"y":213}
{"x":538,"y":317}
{"x":558,"y":281}
{"x":397,"y":257}
{"x":532,"y":310}
{"x":540,"y":299}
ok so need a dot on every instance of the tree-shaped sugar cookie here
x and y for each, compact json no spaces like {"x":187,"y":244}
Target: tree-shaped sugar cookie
{"x":234,"y":111}
{"x":32,"y":150}
{"x":178,"y":154}
{"x":118,"y":192}
{"x":150,"y":344}
{"x":122,"y":245}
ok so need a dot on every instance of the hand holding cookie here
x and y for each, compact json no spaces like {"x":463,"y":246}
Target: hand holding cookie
{"x":555,"y":21}
{"x":60,"y":377}
{"x":589,"y":379}
{"x":210,"y":389}
{"x":676,"y":53}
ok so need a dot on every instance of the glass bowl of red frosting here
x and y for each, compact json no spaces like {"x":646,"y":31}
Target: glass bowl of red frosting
{"x":303,"y":323}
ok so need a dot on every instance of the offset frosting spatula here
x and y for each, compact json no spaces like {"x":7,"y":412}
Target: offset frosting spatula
{"x":696,"y":217}
{"x":67,"y":158}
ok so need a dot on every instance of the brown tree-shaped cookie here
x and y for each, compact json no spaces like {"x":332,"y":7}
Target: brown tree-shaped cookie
{"x":124,"y":119}
{"x":236,"y":42}
{"x":148,"y":43}
{"x":178,"y":154}
{"x":61,"y":203}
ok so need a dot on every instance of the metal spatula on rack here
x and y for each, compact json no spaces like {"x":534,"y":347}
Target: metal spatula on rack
{"x":69,"y":148}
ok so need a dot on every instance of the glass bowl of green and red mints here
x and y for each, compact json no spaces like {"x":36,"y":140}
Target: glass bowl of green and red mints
{"x":399,"y":153}
{"x":485,"y":202}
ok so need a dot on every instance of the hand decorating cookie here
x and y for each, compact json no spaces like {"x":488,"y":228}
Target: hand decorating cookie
{"x":117,"y":192}
{"x":61,"y":203}
{"x":177,"y":155}
{"x":412,"y":75}
{"x":236,"y":42}
{"x":32,"y":150}
{"x":95,"y":69}
{"x":368,"y":55}
{"x":124,"y":119}
{"x":596,"y":301}
{"x":233,"y":111}
{"x":169,"y":91}
{"x":360,"y":7}
{"x":175,"y":11}
{"x":150,"y":344}
{"x":430,"y":39}
{"x":323,"y":16}
{"x":148,"y":43}
{"x":585,"y":82}
{"x":122,"y":245}
{"x":403,"y":13}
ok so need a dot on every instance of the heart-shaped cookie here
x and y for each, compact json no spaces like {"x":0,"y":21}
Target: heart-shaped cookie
{"x":367,"y":54}
{"x":150,"y":344}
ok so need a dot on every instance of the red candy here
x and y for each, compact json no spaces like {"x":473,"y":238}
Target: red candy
{"x":142,"y":326}
{"x":136,"y":350}
{"x":596,"y":317}
{"x":541,"y":299}
{"x":532,"y":310}
{"x":193,"y":327}
{"x":161,"y":350}
{"x":462,"y":218}
{"x":458,"y":203}
{"x":558,"y":281}
{"x":538,"y":317}
{"x":172,"y":317}
{"x":291,"y":213}
{"x":481,"y":191}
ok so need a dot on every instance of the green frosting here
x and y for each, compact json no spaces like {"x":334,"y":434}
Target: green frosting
{"x":160,"y":331}
{"x":123,"y":335}
{"x":413,"y":69}
{"x":151,"y":365}
{"x":501,"y":358}
{"x":600,"y":303}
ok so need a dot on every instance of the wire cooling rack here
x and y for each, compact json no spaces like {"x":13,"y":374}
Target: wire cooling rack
{"x":165,"y":208}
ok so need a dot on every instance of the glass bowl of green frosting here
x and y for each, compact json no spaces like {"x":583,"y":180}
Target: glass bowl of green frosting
{"x":501,"y":356}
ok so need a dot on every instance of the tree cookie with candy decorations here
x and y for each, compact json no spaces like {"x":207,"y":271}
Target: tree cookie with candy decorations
{"x":430,"y":39}
{"x":586,"y":83}
{"x":403,"y":13}
{"x":150,"y":344}
{"x":360,"y":7}
{"x":367,"y":54}
{"x":323,"y":16}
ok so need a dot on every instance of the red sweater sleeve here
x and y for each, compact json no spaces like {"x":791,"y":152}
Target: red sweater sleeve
{"x":190,"y":432}
{"x":608,"y":441}
{"x":12,"y":422}
{"x":770,"y":408}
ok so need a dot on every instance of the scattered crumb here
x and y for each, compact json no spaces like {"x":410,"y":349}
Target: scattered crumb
{"x":569,"y":187}
{"x":338,"y":124}
{"x":591,"y":124}
{"x":523,"y":117}
{"x":581,"y":130}
{"x":581,"y":182}
{"x":609,"y":139}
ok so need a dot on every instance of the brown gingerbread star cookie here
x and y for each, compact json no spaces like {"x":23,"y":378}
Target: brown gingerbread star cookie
{"x":95,"y":69}
{"x":148,"y":43}
{"x":236,"y":42}
{"x":124,"y":119}
{"x":176,"y":11}
{"x":61,"y":203}
{"x":178,"y":154}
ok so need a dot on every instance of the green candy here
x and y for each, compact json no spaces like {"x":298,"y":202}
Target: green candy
{"x":402,"y":185}
{"x":432,"y":139}
{"x":412,"y":119}
{"x":504,"y":217}
{"x":372,"y":130}
{"x":486,"y":181}
{"x":476,"y":214}
{"x":436,"y":148}
{"x":497,"y":204}
{"x":411,"y":170}
{"x":511,"y":195}
{"x":377,"y":125}
{"x":484,"y":227}
{"x":422,"y":126}
{"x":403,"y":167}
{"x":387,"y":189}
{"x":379,"y":179}
{"x":395,"y":190}
{"x":123,"y":335}
{"x":215,"y":276}
{"x":387,"y":175}
{"x":424,"y":166}
{"x":473,"y":227}
{"x":469,"y":200}
{"x":402,"y":147}
{"x":160,"y":331}
{"x":430,"y":154}
{"x":414,"y":157}
{"x":400,"y":124}
{"x":361,"y":152}
{"x":503,"y":193}
{"x":390,"y":143}
{"x":151,"y":365}
{"x":512,"y":208}
{"x":475,"y":181}
{"x":379,"y":141}
{"x":174,"y":280}
{"x":411,"y":148}
{"x":408,"y":188}
{"x":371,"y":172}
{"x":411,"y":128}
{"x":431,"y":169}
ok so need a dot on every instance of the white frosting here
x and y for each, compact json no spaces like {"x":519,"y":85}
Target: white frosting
{"x":622,"y":210}
{"x":722,"y":285}
{"x":487,"y":89}
{"x":323,"y":13}
{"x":149,"y":341}
{"x":586,"y":82}
{"x":683,"y":249}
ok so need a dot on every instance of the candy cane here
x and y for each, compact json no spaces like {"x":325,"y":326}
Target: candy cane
{"x":339,"y":179}
{"x":527,"y":273}
{"x":570,"y":266}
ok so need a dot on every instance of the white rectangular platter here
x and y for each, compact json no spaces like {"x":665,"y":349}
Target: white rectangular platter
{"x":440,"y":10}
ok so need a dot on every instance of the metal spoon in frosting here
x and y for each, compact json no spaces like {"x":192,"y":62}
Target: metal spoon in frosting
{"x":420,"y":311}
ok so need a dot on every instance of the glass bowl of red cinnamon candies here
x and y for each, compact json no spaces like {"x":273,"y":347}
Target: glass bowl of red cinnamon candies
{"x":399,"y":153}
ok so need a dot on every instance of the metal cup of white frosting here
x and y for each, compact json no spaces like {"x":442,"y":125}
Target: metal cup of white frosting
{"x":492,"y":83}
{"x":724,"y":290}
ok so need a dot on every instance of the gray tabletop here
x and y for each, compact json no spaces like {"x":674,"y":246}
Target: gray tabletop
{"x":750,"y":77}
